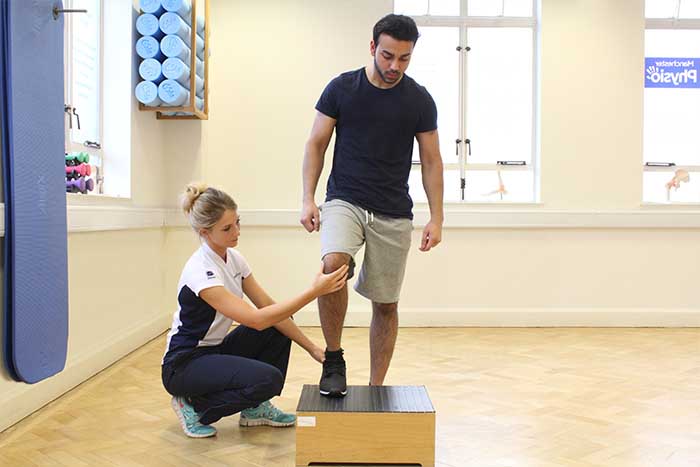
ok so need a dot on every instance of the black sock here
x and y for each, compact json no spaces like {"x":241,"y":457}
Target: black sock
{"x":334,"y":355}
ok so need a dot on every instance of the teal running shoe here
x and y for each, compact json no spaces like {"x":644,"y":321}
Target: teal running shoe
{"x":266,"y":414}
{"x":189,"y":420}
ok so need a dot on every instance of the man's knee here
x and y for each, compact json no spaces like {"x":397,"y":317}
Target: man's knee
{"x":385,"y":308}
{"x":333,"y":261}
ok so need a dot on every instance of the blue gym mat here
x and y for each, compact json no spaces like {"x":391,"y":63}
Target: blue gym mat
{"x":36,"y":263}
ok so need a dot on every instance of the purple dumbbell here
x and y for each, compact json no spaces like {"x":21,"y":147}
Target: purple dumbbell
{"x":82,"y":185}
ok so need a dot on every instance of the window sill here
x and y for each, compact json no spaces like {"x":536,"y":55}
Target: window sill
{"x":669,"y":205}
{"x":79,"y":199}
{"x":94,"y":218}
{"x":467,"y":205}
{"x":466,"y":219}
{"x":513,"y":218}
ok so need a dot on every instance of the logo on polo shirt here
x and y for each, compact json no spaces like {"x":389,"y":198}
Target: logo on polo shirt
{"x":210,"y":275}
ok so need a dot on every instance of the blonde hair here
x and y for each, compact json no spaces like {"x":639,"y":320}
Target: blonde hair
{"x":204,"y":205}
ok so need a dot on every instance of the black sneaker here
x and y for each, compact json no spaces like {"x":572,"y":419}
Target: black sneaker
{"x":333,"y":382}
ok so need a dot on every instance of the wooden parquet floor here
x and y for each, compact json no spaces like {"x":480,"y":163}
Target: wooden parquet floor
{"x":504,"y":397}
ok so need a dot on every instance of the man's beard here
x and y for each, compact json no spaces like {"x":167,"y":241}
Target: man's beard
{"x":382,"y":76}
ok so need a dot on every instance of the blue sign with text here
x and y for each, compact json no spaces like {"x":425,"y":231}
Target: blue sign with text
{"x":673,"y":72}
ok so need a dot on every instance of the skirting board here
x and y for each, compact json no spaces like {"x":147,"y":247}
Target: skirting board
{"x":24,"y":399}
{"x":360,"y":316}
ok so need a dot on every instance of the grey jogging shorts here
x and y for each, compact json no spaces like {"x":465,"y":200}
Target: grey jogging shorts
{"x":346,"y":227}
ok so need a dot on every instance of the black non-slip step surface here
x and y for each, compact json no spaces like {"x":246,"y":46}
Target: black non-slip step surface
{"x":403,"y":399}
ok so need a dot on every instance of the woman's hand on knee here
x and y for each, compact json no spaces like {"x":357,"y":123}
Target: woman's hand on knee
{"x":332,"y":282}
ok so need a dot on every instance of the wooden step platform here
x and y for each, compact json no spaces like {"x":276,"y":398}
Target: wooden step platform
{"x":371,"y":425}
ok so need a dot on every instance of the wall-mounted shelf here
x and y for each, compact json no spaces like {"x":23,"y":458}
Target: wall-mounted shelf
{"x":193,"y":113}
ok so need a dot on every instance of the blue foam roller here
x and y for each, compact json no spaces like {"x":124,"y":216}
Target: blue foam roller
{"x":171,"y":23}
{"x":174,"y":68}
{"x":174,"y":94}
{"x":180,"y":72}
{"x":173,"y":46}
{"x":147,"y":93}
{"x":148,"y":47}
{"x":147,"y":25}
{"x":184,"y":9}
{"x":33,"y":164}
{"x":151,"y":6}
{"x":151,"y":70}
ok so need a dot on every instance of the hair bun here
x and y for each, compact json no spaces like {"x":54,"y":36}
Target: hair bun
{"x":192,"y":192}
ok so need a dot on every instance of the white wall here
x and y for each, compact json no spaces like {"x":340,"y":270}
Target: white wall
{"x":270,"y":61}
{"x":592,"y":90}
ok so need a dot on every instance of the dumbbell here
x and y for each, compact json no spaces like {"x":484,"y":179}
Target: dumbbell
{"x":76,"y":158}
{"x":78,"y":170}
{"x":73,"y":176}
{"x":82,"y":185}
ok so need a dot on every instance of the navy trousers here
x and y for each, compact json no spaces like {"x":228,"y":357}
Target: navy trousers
{"x":247,"y":368}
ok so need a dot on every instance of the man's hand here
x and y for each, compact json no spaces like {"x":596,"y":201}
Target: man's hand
{"x":310,"y":216}
{"x":432,"y":234}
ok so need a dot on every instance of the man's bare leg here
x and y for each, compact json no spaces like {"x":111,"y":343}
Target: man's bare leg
{"x":382,"y":338}
{"x":333,"y":307}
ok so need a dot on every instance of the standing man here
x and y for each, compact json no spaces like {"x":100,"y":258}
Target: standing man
{"x":376,"y":112}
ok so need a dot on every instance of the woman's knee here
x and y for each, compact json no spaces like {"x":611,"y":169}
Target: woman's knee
{"x":271,"y":385}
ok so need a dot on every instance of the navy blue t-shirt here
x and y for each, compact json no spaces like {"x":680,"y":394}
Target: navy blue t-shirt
{"x":374,"y":137}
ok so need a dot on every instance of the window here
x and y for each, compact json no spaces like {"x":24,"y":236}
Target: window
{"x":83,"y":84}
{"x":671,"y":102}
{"x":672,"y":9}
{"x":98,"y":90}
{"x":477,"y":58}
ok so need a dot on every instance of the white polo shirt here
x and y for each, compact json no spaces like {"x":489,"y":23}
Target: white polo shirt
{"x":196,"y":323}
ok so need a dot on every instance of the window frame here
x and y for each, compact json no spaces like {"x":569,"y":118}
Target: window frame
{"x":674,"y":23}
{"x":464,"y":22}
{"x":97,"y":155}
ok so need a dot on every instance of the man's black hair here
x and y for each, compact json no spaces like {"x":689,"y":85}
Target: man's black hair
{"x":400,"y":27}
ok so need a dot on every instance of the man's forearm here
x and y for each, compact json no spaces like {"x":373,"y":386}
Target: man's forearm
{"x":312,"y":167}
{"x":432,"y":174}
